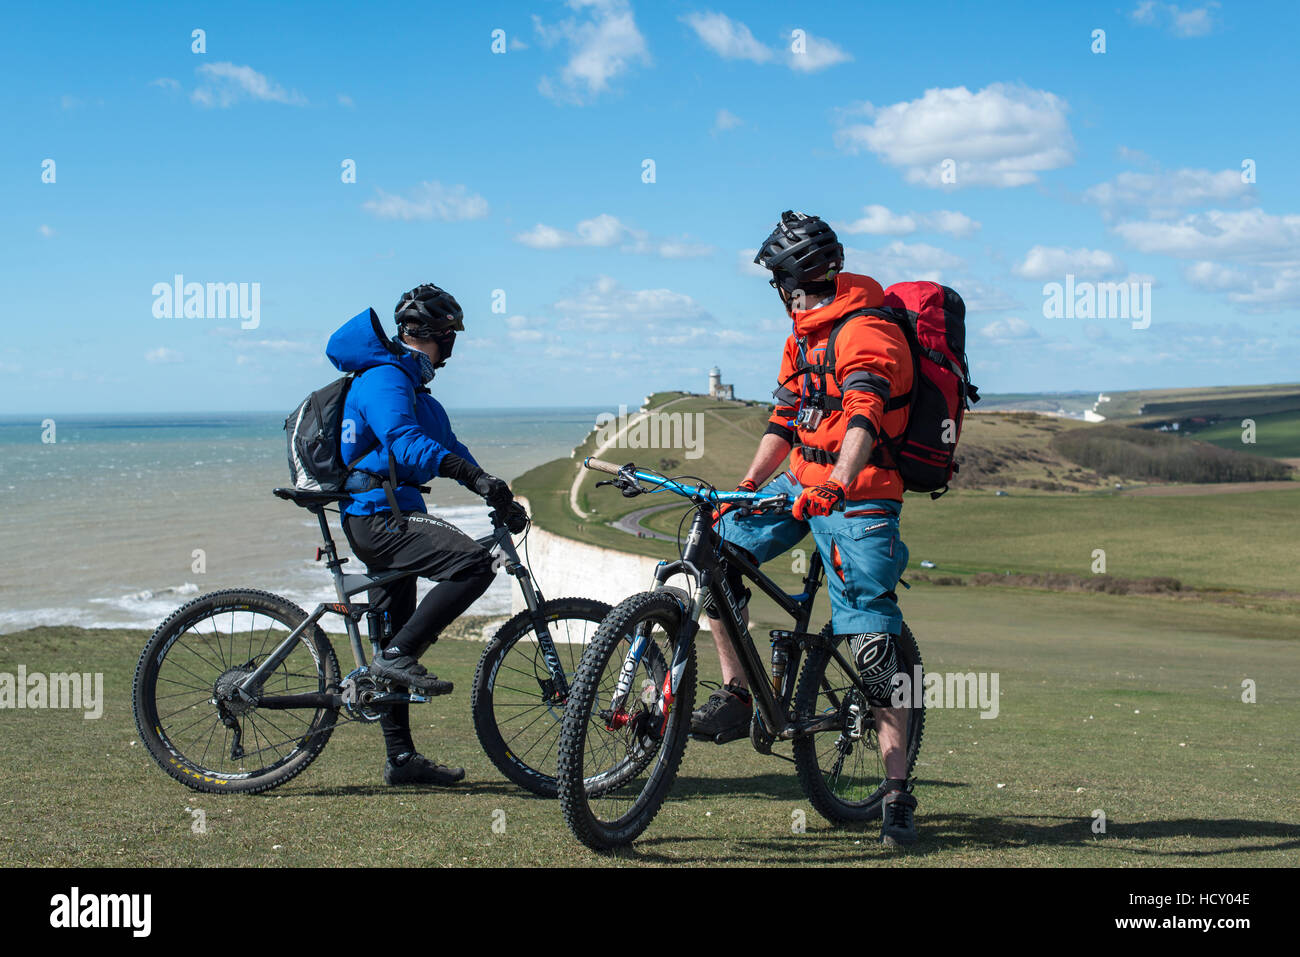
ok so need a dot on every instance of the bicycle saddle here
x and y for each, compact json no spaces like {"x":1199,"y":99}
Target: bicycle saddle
{"x":307,"y":498}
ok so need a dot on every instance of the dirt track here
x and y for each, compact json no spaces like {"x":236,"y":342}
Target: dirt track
{"x":1225,"y":488}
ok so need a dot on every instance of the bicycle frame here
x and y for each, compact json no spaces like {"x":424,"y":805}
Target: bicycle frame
{"x":702,"y":559}
{"x":346,"y":585}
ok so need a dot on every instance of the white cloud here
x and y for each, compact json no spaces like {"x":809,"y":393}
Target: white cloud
{"x":980,"y":297}
{"x":1249,"y":234}
{"x":728,"y":38}
{"x":1003,"y":135}
{"x":345,"y":101}
{"x":1055,"y":262}
{"x":302,"y":347}
{"x":166,"y":83}
{"x":1165,"y":193}
{"x":227,"y":83}
{"x":601,"y":48}
{"x":429,"y":200}
{"x":1257,"y":289}
{"x":726,"y":120}
{"x":602,"y":230}
{"x":1181,"y":22}
{"x":46,"y":232}
{"x":1264,"y":248}
{"x":899,"y":261}
{"x":162,"y":355}
{"x":733,"y":40}
{"x":879,"y":220}
{"x":606,"y":231}
{"x":1008,"y":330}
{"x":955,"y":224}
{"x":605,"y":300}
{"x":818,"y":54}
{"x":524,"y":329}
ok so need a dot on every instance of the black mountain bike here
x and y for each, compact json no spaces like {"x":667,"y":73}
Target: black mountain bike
{"x":629,"y":712}
{"x":239,"y":690}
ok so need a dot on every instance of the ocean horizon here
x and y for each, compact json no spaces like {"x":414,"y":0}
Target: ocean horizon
{"x":126,"y":516}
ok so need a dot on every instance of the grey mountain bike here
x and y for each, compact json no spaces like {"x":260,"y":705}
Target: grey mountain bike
{"x":240,"y":690}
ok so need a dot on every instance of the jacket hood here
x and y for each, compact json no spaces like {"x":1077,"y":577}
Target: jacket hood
{"x":360,"y":344}
{"x":851,"y":292}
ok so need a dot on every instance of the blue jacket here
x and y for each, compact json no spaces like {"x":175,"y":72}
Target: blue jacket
{"x":390,"y":407}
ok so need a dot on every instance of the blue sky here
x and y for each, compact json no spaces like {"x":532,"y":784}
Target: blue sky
{"x":522,"y":172}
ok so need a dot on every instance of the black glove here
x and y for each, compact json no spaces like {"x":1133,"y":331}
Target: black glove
{"x":494,"y":490}
{"x":514,"y":517}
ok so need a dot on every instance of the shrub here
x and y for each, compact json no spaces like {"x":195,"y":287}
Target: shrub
{"x":1160,"y":456}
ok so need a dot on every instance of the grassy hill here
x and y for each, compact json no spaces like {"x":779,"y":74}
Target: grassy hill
{"x":1238,"y":548}
{"x":1215,"y":415}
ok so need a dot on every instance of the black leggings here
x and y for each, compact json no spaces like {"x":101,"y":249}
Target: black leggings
{"x":428,"y":548}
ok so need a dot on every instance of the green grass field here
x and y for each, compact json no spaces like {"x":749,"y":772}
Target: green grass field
{"x":1277,"y":435}
{"x":1131,"y":706}
{"x":1124,"y":705}
{"x":1243,"y":542}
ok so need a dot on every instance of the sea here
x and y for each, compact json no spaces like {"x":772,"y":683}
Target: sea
{"x":123,"y":518}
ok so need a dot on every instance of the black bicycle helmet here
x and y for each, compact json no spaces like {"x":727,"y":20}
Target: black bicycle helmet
{"x":801,"y":251}
{"x":427,"y":312}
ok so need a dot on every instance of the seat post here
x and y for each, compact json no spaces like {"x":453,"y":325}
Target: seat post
{"x":329,"y":550}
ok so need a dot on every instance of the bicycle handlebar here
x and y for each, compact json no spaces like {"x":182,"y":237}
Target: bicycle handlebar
{"x":632,"y":475}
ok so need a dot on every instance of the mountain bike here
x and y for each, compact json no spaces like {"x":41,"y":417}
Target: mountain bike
{"x":240,"y":690}
{"x":629,"y":711}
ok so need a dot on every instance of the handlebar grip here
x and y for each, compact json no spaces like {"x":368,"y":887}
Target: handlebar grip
{"x":600,"y":466}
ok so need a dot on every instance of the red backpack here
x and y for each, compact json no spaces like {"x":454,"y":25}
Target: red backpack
{"x":933,"y":317}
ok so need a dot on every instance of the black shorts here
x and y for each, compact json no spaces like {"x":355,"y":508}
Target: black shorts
{"x":428,"y":547}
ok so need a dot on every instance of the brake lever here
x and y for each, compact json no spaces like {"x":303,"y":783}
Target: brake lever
{"x":629,"y":491}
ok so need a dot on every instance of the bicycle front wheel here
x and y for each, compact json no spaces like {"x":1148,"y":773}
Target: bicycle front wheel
{"x":841,"y":769}
{"x":617,"y":765}
{"x":188,"y":719}
{"x":517,"y":702}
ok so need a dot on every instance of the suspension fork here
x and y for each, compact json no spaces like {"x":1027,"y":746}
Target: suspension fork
{"x":533,"y":599}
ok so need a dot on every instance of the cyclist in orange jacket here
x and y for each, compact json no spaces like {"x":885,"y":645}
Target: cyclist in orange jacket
{"x":830,"y":411}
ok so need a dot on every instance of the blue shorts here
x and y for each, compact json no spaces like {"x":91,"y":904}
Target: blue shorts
{"x":860,"y":546}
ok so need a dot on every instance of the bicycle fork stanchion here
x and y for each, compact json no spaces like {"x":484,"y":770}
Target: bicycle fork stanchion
{"x":503,"y":544}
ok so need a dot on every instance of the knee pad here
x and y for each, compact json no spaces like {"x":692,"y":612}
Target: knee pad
{"x":876,"y":656}
{"x":737,"y":585}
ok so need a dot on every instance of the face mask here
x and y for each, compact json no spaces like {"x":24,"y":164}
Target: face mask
{"x":427,"y":368}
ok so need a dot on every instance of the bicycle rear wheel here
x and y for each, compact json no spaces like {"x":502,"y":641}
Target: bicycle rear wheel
{"x":841,"y":770}
{"x":184,"y":712}
{"x":516,"y":704}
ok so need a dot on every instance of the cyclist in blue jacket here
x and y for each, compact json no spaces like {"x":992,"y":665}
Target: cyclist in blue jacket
{"x":390,"y":411}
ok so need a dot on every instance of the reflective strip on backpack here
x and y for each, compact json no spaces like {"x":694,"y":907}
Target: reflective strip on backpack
{"x":303,"y":479}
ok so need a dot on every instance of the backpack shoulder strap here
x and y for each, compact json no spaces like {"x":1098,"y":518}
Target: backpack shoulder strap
{"x":909,"y":333}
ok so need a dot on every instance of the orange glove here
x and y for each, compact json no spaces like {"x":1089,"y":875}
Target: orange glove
{"x":818,"y":500}
{"x":721,"y":510}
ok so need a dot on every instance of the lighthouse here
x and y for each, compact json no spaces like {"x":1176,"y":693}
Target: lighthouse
{"x":717,"y":388}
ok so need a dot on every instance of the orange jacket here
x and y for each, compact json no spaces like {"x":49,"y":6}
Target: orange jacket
{"x":872,"y":365}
